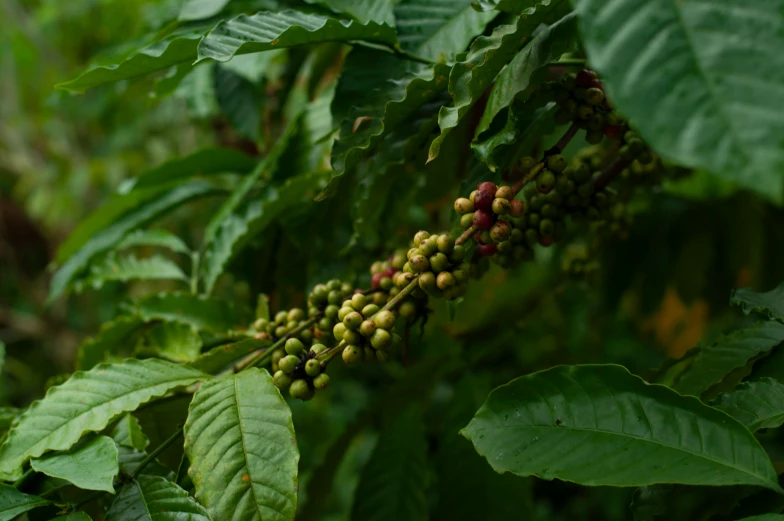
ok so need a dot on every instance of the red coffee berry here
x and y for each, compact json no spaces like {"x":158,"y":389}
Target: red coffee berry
{"x":478,"y":237}
{"x":376,"y":280}
{"x":612,"y":131}
{"x":483,"y":219}
{"x":488,"y":186}
{"x":518,"y":208}
{"x":390,"y":271}
{"x":483,"y":200}
{"x":585,"y":78}
{"x":487,"y":249}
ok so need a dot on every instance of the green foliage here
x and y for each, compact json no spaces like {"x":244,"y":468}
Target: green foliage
{"x":13,"y":503}
{"x":758,"y":405}
{"x":154,"y":499}
{"x":128,"y":432}
{"x":770,"y":303}
{"x":100,"y":452}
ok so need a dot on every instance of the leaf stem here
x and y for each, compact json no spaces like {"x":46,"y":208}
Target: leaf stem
{"x":610,"y":172}
{"x":154,"y":454}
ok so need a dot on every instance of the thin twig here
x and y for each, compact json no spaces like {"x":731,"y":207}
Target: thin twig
{"x":154,"y":454}
{"x":466,"y":236}
{"x":261,"y":355}
{"x":610,"y":172}
{"x":403,"y":294}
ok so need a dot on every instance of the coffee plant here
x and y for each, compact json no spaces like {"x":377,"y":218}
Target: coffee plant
{"x":305,"y":315}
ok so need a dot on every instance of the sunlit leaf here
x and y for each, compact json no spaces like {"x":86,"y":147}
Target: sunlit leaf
{"x":158,"y":238}
{"x":90,"y":466}
{"x":173,"y":341}
{"x":128,"y":432}
{"x":380,"y":11}
{"x":124,"y":268}
{"x":150,"y":498}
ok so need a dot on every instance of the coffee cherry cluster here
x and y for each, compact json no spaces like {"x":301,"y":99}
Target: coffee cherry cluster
{"x":366,"y":331}
{"x":440,"y":266}
{"x":382,"y":272}
{"x":299,"y":370}
{"x":280,"y":326}
{"x":324,"y":301}
{"x":578,"y":263}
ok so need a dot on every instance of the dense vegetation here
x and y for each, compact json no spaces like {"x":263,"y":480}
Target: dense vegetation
{"x":381,"y":260}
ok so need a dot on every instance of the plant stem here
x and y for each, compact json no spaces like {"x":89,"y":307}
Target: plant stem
{"x":466,"y":236}
{"x":538,"y":167}
{"x":567,"y":62}
{"x":403,"y":294}
{"x":154,"y":454}
{"x":21,"y":481}
{"x":610,"y":172}
{"x":328,"y":355}
{"x":195,"y":257}
{"x":262,"y":354}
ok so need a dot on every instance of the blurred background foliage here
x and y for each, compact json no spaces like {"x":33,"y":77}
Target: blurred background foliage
{"x":657,"y":293}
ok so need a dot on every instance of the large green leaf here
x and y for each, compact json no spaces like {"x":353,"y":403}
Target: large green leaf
{"x":250,"y":220}
{"x":601,"y":425}
{"x":114,"y":336}
{"x":509,"y":6}
{"x":392,"y":484}
{"x":267,"y":30}
{"x":240,"y":101}
{"x":128,"y":432}
{"x":379,"y":11}
{"x":703,"y":82}
{"x":86,"y":402}
{"x":200,"y":9}
{"x":124,"y":268}
{"x":13,"y":503}
{"x":117,"y":226}
{"x":150,"y":498}
{"x":130,"y":459}
{"x":90,"y":466}
{"x":7,"y":416}
{"x":220,"y":357}
{"x":173,"y":341}
{"x":157,"y":238}
{"x":240,"y":440}
{"x":438,"y":29}
{"x":713,"y":361}
{"x":547,"y":46}
{"x":758,"y":405}
{"x":764,"y":517}
{"x":201,"y":313}
{"x":475,"y":71}
{"x":769,"y":303}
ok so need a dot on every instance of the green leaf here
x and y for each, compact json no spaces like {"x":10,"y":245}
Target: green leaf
{"x":13,"y":503}
{"x":90,"y":466}
{"x":74,"y":516}
{"x":548,"y":45}
{"x":220,"y":357}
{"x":764,"y":517}
{"x":201,"y":313}
{"x":266,"y":30}
{"x":121,"y":332}
{"x":716,"y":360}
{"x":686,"y":502}
{"x":380,"y":11}
{"x":173,"y":50}
{"x":151,"y":498}
{"x":240,"y":440}
{"x":158,"y":238}
{"x":128,"y":432}
{"x":586,"y":424}
{"x":116,"y":227}
{"x":88,"y":401}
{"x":200,"y":9}
{"x":7,"y":416}
{"x":203,"y":162}
{"x":250,"y":220}
{"x":240,"y":101}
{"x":701,"y":82}
{"x":757,"y":405}
{"x":392,"y":484}
{"x":477,"y":70}
{"x":262,"y":307}
{"x":508,"y":6}
{"x":130,"y":459}
{"x":124,"y":268}
{"x":437,"y":30}
{"x":173,"y":341}
{"x":770,"y":304}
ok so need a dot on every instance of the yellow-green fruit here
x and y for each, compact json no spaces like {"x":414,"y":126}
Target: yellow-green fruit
{"x":429,"y":246}
{"x":427,"y":280}
{"x":369,"y":310}
{"x":345,"y":310}
{"x":317,"y":349}
{"x":312,"y":368}
{"x":321,"y":381}
{"x":419,"y":263}
{"x":467,"y":220}
{"x":420,"y":236}
{"x":339,"y":330}
{"x":352,"y":320}
{"x":260,"y":324}
{"x":439,"y":262}
{"x":464,"y":206}
{"x":281,"y":317}
{"x":281,"y":380}
{"x":277,"y":355}
{"x":352,"y":354}
{"x":294,"y":346}
{"x":358,"y":301}
{"x":288,"y":363}
{"x":381,"y":339}
{"x":501,"y":206}
{"x":445,"y":243}
{"x":445,"y":280}
{"x":407,"y":309}
{"x":384,"y":319}
{"x":301,"y":390}
{"x":367,"y":328}
{"x":296,"y":315}
{"x":352,"y":337}
{"x":458,"y":254}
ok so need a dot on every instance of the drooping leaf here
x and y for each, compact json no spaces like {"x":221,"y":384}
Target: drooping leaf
{"x":128,"y":432}
{"x":392,"y":484}
{"x":240,"y":101}
{"x":248,"y":221}
{"x":240,"y":440}
{"x":149,"y":498}
{"x":114,"y":336}
{"x":203,"y":162}
{"x":769,"y":303}
{"x":437,"y":30}
{"x":13,"y":503}
{"x":200,"y":9}
{"x":114,"y":229}
{"x":201,"y":313}
{"x":547,"y":46}
{"x":380,"y":11}
{"x":88,"y":401}
{"x":757,"y":405}
{"x":90,"y":466}
{"x":124,"y":268}
{"x":587,"y":423}
{"x":701,"y":82}
{"x":159,"y":238}
{"x":475,"y":71}
{"x":716,"y":360}
{"x":268,"y":30}
{"x":173,"y":341}
{"x":220,"y":357}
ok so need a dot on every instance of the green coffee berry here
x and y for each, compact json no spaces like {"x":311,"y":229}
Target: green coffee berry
{"x":420,"y":236}
{"x":260,"y":324}
{"x":358,"y":301}
{"x":556,"y":163}
{"x":504,"y":246}
{"x":334,"y":284}
{"x":352,"y":354}
{"x":527,"y":163}
{"x":277,"y":355}
{"x":281,"y":380}
{"x":334,"y":297}
{"x":352,"y":320}
{"x":384,"y":319}
{"x":445,"y":243}
{"x":500,"y":231}
{"x":407,"y":309}
{"x":467,"y":220}
{"x":485,"y":237}
{"x":381,"y":339}
{"x":331,"y":311}
{"x":532,"y":236}
{"x":594,"y":96}
{"x":439,"y":262}
{"x":345,"y":310}
{"x":427,"y":280}
{"x":296,"y":314}
{"x":594,"y":137}
{"x":321,"y":381}
{"x":533,"y":220}
{"x":352,"y":337}
{"x":281,"y":331}
{"x":545,"y":182}
{"x":550,"y":211}
{"x":419,"y":263}
{"x":294,"y":346}
{"x":386,"y":283}
{"x":546,"y":227}
{"x":445,"y":280}
{"x":339,"y":330}
{"x":464,"y":206}
{"x":301,"y":390}
{"x":281,"y":317}
{"x":429,"y":246}
{"x":369,"y":310}
{"x":367,"y":328}
{"x":288,"y":363}
{"x":317,"y":349}
{"x":312,"y":368}
{"x":379,"y":298}
{"x":501,"y":206}
{"x":458,"y":254}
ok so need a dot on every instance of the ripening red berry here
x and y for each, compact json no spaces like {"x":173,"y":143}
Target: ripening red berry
{"x":585,"y":78}
{"x":483,"y":219}
{"x":483,"y":200}
{"x":612,"y":131}
{"x":376,"y":280}
{"x":487,"y":249}
{"x":390,"y":271}
{"x":488,"y":186}
{"x":478,"y":237}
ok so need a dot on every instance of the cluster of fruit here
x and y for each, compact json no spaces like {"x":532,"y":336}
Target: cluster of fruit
{"x":298,"y":370}
{"x":577,"y":262}
{"x":324,"y":302}
{"x":438,"y":264}
{"x":283,"y":323}
{"x":366,"y":330}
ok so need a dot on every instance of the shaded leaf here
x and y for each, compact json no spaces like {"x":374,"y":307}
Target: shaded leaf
{"x":702,"y":82}
{"x":74,"y":516}
{"x":277,"y":30}
{"x":159,"y":238}
{"x":757,"y":405}
{"x":379,"y":11}
{"x":173,"y":341}
{"x":128,"y":432}
{"x":115,"y":335}
{"x":509,"y":6}
{"x":7,"y":416}
{"x":90,"y":466}
{"x":200,"y":9}
{"x":253,"y":67}
{"x":202,"y":313}
{"x":587,"y":423}
{"x":686,"y":502}
{"x":13,"y":503}
{"x":764,"y":517}
{"x":240,"y":440}
{"x":130,"y":459}
{"x":124,"y":268}
{"x":88,"y":401}
{"x":151,"y":498}
{"x":392,"y":484}
{"x":769,"y":303}
{"x":240,"y":101}
{"x":221,"y":357}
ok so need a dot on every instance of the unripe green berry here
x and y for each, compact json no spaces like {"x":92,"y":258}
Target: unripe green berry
{"x":321,"y":381}
{"x":367,"y":328}
{"x":460,"y":276}
{"x":445,"y":243}
{"x":345,"y":310}
{"x":352,"y":320}
{"x":379,"y":298}
{"x":317,"y":349}
{"x":545,"y":182}
{"x":407,"y":309}
{"x":260,"y":324}
{"x":352,"y":337}
{"x":584,"y":112}
{"x":346,"y":288}
{"x":407,"y":268}
{"x":429,"y":246}
{"x":369,"y":310}
{"x":467,"y":220}
{"x":281,"y":331}
{"x":296,"y":315}
{"x":301,"y":390}
{"x":376,"y":267}
{"x":281,"y":380}
{"x":501,"y":206}
{"x":464,"y":206}
{"x":352,"y":354}
{"x":420,"y":236}
{"x":531,"y":237}
{"x":291,"y":324}
{"x":458,"y":254}
{"x":312,"y":368}
{"x":384,"y":319}
{"x":550,"y":211}
{"x":385,"y":283}
{"x":334,"y":297}
{"x":546,"y":227}
{"x":500,"y":231}
{"x":294,"y":346}
{"x":281,"y":317}
{"x":427,"y":280}
{"x":334,"y":284}
{"x":381,"y":339}
{"x":319,"y":294}
{"x":504,"y":246}
{"x":439,"y":262}
{"x":339,"y":330}
{"x":358,"y":301}
{"x":412,"y":252}
{"x":288,"y":363}
{"x":556,"y":163}
{"x":516,"y":237}
{"x":402,"y":279}
{"x":277,"y":355}
{"x":527,"y":163}
{"x":594,"y":96}
{"x":331,"y":311}
{"x":485,"y":237}
{"x":419,"y":263}
{"x":445,"y":280}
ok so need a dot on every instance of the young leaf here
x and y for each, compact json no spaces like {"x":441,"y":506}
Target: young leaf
{"x":88,"y":401}
{"x":277,"y":30}
{"x":91,"y":466}
{"x":716,"y":360}
{"x":221,"y":357}
{"x":115,"y":228}
{"x":120,"y":333}
{"x":128,"y":432}
{"x":123,"y":268}
{"x":13,"y":503}
{"x":201,"y":313}
{"x":392,"y":484}
{"x":477,"y":70}
{"x":173,"y":341}
{"x":689,"y":76}
{"x":379,"y":11}
{"x":150,"y":498}
{"x":240,"y":440}
{"x":240,"y":101}
{"x":770,"y":303}
{"x":601,"y":425}
{"x":757,"y":405}
{"x":159,"y":238}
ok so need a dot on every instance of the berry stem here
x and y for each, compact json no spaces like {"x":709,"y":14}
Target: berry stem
{"x":403,"y":294}
{"x":466,"y":236}
{"x":610,"y":172}
{"x":154,"y":454}
{"x":527,"y":178}
{"x":328,"y":355}
{"x":564,"y":141}
{"x":538,"y":167}
{"x":261,"y":355}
